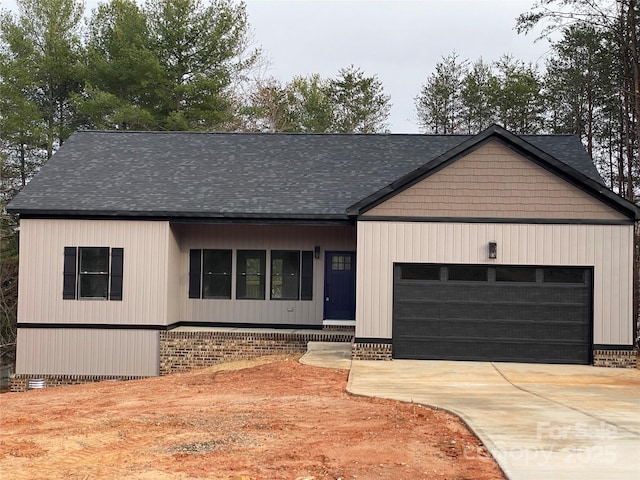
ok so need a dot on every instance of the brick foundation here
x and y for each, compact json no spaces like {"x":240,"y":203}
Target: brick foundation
{"x":371,"y":351}
{"x":181,"y":351}
{"x":615,"y":358}
{"x":19,"y":382}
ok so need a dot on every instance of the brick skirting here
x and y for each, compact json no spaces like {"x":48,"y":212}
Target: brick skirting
{"x":615,"y":358}
{"x":181,"y":351}
{"x":371,"y":351}
{"x":19,"y":382}
{"x":601,"y":358}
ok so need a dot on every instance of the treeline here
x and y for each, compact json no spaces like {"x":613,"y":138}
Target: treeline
{"x":585,"y":89}
{"x":162,"y":65}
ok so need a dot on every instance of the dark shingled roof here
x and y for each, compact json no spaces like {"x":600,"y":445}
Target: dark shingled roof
{"x":237,"y":174}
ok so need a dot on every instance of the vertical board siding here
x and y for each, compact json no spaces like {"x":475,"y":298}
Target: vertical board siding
{"x":606,"y":248}
{"x":253,"y":237}
{"x":174,"y":278}
{"x":61,"y":351}
{"x":145,"y":272}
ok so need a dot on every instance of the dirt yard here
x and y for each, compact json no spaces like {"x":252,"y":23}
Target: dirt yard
{"x":261,"y":419}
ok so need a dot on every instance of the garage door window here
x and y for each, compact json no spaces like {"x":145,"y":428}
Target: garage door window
{"x":516,"y":274}
{"x":468,"y":274}
{"x":564,"y":275}
{"x":421,"y":272}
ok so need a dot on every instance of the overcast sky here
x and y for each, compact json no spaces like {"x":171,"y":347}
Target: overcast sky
{"x":399,"y":41}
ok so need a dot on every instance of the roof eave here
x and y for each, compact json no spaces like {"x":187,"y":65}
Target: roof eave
{"x":179,"y":216}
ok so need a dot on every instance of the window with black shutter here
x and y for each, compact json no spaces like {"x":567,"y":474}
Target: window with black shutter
{"x":210,"y":273}
{"x":93,"y":273}
{"x":216,"y":274}
{"x":291,"y":275}
{"x":285,"y":275}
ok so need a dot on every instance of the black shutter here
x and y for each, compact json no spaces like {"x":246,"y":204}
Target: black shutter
{"x":117,"y":256}
{"x":69,"y":276}
{"x":195,"y":273}
{"x":306,"y":288}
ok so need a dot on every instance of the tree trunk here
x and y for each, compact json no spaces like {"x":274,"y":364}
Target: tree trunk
{"x":23,"y":165}
{"x":635,"y":71}
{"x":590,"y":119}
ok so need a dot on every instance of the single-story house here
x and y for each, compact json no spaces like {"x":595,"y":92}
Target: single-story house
{"x":496,"y":246}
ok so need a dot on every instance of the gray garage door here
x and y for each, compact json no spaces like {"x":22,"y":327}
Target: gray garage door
{"x":492,"y":313}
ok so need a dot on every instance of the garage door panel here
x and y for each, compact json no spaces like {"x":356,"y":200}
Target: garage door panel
{"x":442,"y":292}
{"x":533,"y":321}
{"x":497,"y":351}
{"x":416,"y":309}
{"x":492,"y":292}
{"x":481,"y":330}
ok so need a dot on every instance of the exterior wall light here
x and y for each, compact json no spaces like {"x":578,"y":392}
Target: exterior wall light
{"x":493,"y":250}
{"x":316,"y":251}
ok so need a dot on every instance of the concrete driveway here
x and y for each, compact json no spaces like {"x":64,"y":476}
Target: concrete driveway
{"x":538,"y":421}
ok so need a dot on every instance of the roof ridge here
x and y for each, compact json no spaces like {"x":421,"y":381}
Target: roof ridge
{"x":300,"y":134}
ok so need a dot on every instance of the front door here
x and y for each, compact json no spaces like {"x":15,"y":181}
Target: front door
{"x":340,"y":286}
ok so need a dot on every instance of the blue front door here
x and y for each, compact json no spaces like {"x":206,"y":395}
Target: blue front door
{"x":340,"y":286}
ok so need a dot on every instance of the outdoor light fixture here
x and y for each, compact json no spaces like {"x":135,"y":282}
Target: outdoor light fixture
{"x":493,"y":250}
{"x":316,"y":251}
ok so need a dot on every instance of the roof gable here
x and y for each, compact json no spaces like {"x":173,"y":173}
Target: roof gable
{"x":494,"y":182}
{"x":522,"y":145}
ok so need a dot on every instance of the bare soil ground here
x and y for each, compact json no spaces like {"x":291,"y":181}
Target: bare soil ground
{"x":261,"y":419}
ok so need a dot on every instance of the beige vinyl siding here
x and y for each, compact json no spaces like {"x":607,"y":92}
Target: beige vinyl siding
{"x":253,"y":237}
{"x":174,"y":272}
{"x":606,"y":248}
{"x":144,"y":297}
{"x":87,"y":352}
{"x":495,"y":182}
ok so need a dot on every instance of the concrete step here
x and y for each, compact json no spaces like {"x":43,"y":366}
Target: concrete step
{"x":328,"y":355}
{"x":333,"y":346}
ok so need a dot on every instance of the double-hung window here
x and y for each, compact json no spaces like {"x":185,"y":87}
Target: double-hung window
{"x":291,"y":275}
{"x":285,"y":275}
{"x":210,"y":274}
{"x":92,"y":273}
{"x":250,"y":274}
